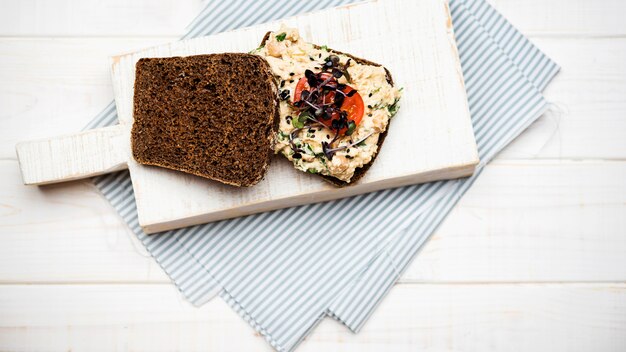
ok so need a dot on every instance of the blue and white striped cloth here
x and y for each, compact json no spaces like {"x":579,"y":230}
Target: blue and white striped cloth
{"x":283,"y":271}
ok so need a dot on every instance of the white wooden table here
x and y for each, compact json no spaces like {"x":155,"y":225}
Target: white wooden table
{"x":532,"y":259}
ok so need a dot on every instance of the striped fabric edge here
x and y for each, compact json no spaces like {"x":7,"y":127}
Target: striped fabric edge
{"x":368,"y":291}
{"x":255,"y":12}
{"x":355,"y":307}
{"x":232,"y":302}
{"x":107,"y":117}
{"x":536,"y":66}
{"x":117,"y":189}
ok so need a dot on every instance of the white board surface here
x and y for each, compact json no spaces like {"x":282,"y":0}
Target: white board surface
{"x":430,"y":138}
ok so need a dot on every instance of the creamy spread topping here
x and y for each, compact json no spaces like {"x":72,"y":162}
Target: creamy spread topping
{"x":290,"y":57}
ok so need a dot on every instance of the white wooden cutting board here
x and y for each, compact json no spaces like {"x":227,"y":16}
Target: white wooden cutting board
{"x":431,"y":138}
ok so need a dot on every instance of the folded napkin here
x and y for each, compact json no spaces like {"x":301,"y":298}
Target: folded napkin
{"x":503,"y":75}
{"x":284,"y":270}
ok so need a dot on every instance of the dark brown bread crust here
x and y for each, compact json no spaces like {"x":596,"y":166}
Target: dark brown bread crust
{"x":359,"y":172}
{"x":213,"y":116}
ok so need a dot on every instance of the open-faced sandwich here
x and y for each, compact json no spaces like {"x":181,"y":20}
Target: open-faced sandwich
{"x":334,"y":108}
{"x":221,"y":116}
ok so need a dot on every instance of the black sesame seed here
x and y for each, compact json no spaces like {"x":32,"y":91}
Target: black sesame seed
{"x":370,"y":95}
{"x":327,"y":136}
{"x":348,"y":150}
{"x":320,"y":55}
{"x":291,"y":81}
{"x":349,"y":157}
{"x":282,"y":84}
{"x":296,"y":155}
{"x":291,"y":73}
{"x":370,"y":115}
{"x":312,"y":59}
{"x":369,"y":106}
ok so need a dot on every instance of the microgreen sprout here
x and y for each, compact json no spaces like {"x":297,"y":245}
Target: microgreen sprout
{"x":330,"y":152}
{"x":321,"y":102}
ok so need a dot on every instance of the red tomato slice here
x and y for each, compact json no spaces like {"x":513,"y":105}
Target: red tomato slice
{"x":352,"y":105}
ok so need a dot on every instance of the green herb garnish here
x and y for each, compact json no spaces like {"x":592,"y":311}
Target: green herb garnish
{"x":322,"y":158}
{"x":351,"y":128}
{"x":393,"y":108}
{"x":297,"y":123}
{"x":304,"y":117}
{"x":280,"y":37}
{"x":255,"y":50}
{"x":307,"y":149}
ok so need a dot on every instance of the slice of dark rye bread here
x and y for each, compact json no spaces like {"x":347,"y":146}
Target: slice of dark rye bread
{"x":359,"y":172}
{"x":213,"y":116}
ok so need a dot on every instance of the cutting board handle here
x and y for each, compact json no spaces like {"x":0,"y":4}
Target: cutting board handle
{"x":72,"y":157}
